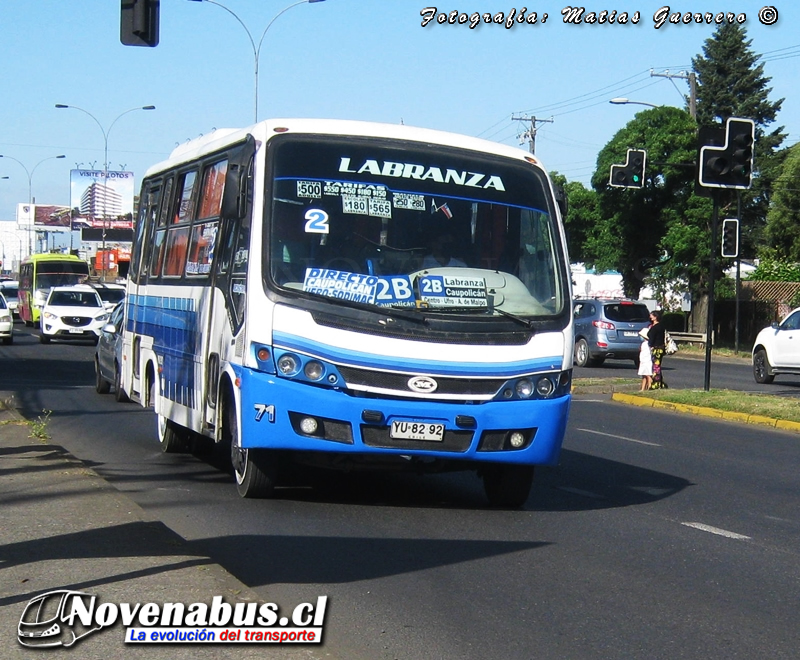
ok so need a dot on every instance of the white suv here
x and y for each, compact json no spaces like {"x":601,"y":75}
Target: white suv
{"x":72,"y":312}
{"x":777,"y":349}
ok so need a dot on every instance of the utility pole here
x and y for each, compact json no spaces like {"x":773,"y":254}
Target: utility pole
{"x":692,"y":86}
{"x":530,"y":134}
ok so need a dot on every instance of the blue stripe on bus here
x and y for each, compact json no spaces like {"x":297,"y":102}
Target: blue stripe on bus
{"x":410,"y":365}
{"x":173,"y":323}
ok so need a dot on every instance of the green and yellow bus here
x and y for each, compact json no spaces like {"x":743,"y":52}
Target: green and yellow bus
{"x":38,"y":273}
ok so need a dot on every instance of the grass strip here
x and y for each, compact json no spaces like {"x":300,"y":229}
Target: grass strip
{"x":731,"y":401}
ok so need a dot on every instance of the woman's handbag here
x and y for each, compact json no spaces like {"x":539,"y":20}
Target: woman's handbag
{"x":670,"y":346}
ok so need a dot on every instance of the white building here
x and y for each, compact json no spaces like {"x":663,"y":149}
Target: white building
{"x":101,"y":201}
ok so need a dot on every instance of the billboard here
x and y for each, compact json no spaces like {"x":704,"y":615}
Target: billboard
{"x":44,"y":216}
{"x":100,"y":198}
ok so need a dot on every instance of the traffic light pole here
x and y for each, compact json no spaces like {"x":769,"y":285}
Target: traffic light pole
{"x":711,"y":285}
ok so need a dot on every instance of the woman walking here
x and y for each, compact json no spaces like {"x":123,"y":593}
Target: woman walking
{"x":656,"y":338}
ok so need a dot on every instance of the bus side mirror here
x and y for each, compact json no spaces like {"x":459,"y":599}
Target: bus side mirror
{"x":234,"y":199}
{"x":236,"y":195}
{"x":561,"y":200}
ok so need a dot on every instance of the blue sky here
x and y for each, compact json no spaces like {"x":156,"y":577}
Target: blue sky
{"x":355,"y":59}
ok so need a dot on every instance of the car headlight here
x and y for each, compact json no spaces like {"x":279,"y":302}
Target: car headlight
{"x":50,"y":316}
{"x":102,"y":317}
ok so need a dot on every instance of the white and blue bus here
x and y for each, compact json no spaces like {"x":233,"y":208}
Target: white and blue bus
{"x":353,"y":295}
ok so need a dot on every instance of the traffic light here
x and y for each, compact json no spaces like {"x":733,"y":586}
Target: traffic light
{"x":138,"y":25}
{"x":731,"y":165}
{"x":730,"y":237}
{"x":631,"y":174}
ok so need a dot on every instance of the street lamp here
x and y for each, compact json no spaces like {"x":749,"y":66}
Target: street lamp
{"x":30,"y":193}
{"x":257,"y":48}
{"x":624,"y":101}
{"x":105,"y":132}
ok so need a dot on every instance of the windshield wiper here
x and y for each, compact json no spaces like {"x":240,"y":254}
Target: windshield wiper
{"x":389,"y":312}
{"x":526,"y":322}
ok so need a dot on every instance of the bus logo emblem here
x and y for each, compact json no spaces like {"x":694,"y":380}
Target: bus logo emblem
{"x":422,"y":384}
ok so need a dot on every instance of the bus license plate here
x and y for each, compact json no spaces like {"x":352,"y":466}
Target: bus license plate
{"x":417,"y":431}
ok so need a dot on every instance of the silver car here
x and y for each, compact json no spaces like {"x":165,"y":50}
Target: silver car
{"x":108,"y":355}
{"x":608,"y":328}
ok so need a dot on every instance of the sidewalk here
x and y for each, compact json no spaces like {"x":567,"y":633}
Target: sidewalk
{"x":63,"y":527}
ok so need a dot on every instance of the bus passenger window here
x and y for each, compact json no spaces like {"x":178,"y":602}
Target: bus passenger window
{"x":213,"y":186}
{"x":185,"y":209}
{"x":175,"y":254}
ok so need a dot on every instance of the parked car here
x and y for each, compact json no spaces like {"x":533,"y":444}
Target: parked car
{"x":608,"y":328}
{"x":6,"y":322}
{"x":72,"y":312}
{"x":776,"y":349}
{"x":108,"y":355}
{"x":10,"y":290}
{"x":110,"y":294}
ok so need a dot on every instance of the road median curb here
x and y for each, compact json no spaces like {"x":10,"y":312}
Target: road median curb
{"x":730,"y":416}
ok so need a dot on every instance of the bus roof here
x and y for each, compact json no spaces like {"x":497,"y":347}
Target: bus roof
{"x":49,"y":256}
{"x":220,"y":138}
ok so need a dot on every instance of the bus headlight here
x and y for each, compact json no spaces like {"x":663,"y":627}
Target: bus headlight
{"x":545,"y":387}
{"x":524,"y":388}
{"x":288,"y":364}
{"x":314,"y":370}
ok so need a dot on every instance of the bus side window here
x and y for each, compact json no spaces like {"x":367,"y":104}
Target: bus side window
{"x":148,"y":213}
{"x":177,"y":241}
{"x":205,"y":234}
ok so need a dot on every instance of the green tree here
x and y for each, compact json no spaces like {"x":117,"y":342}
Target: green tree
{"x":731,"y":83}
{"x":783,"y":218}
{"x":633,"y":222}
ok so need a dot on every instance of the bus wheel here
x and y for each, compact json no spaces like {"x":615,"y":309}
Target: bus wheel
{"x":252,"y":468}
{"x":171,"y":437}
{"x":101,"y":385}
{"x":255,"y":475}
{"x":507,"y":486}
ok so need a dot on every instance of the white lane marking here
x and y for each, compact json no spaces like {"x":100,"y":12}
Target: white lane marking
{"x":716,"y":530}
{"x":620,"y":437}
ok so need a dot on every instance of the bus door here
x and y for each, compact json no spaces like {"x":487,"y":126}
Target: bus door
{"x":224,"y":339}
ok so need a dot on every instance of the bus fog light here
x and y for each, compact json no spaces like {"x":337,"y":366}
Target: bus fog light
{"x":516,"y":439}
{"x":314,"y":370}
{"x":288,"y":365}
{"x":524,"y":388}
{"x":309,"y":425}
{"x":545,"y":386}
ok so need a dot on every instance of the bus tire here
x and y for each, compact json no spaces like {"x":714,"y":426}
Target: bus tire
{"x":119,"y":393}
{"x":171,"y":437}
{"x":101,"y":385}
{"x":507,"y":486}
{"x":254,"y":472}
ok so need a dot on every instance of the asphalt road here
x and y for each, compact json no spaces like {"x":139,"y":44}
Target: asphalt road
{"x":657,"y":536}
{"x":683,"y":371}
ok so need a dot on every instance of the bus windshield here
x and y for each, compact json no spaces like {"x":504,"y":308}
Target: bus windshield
{"x":397,"y":224}
{"x":63,"y":273}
